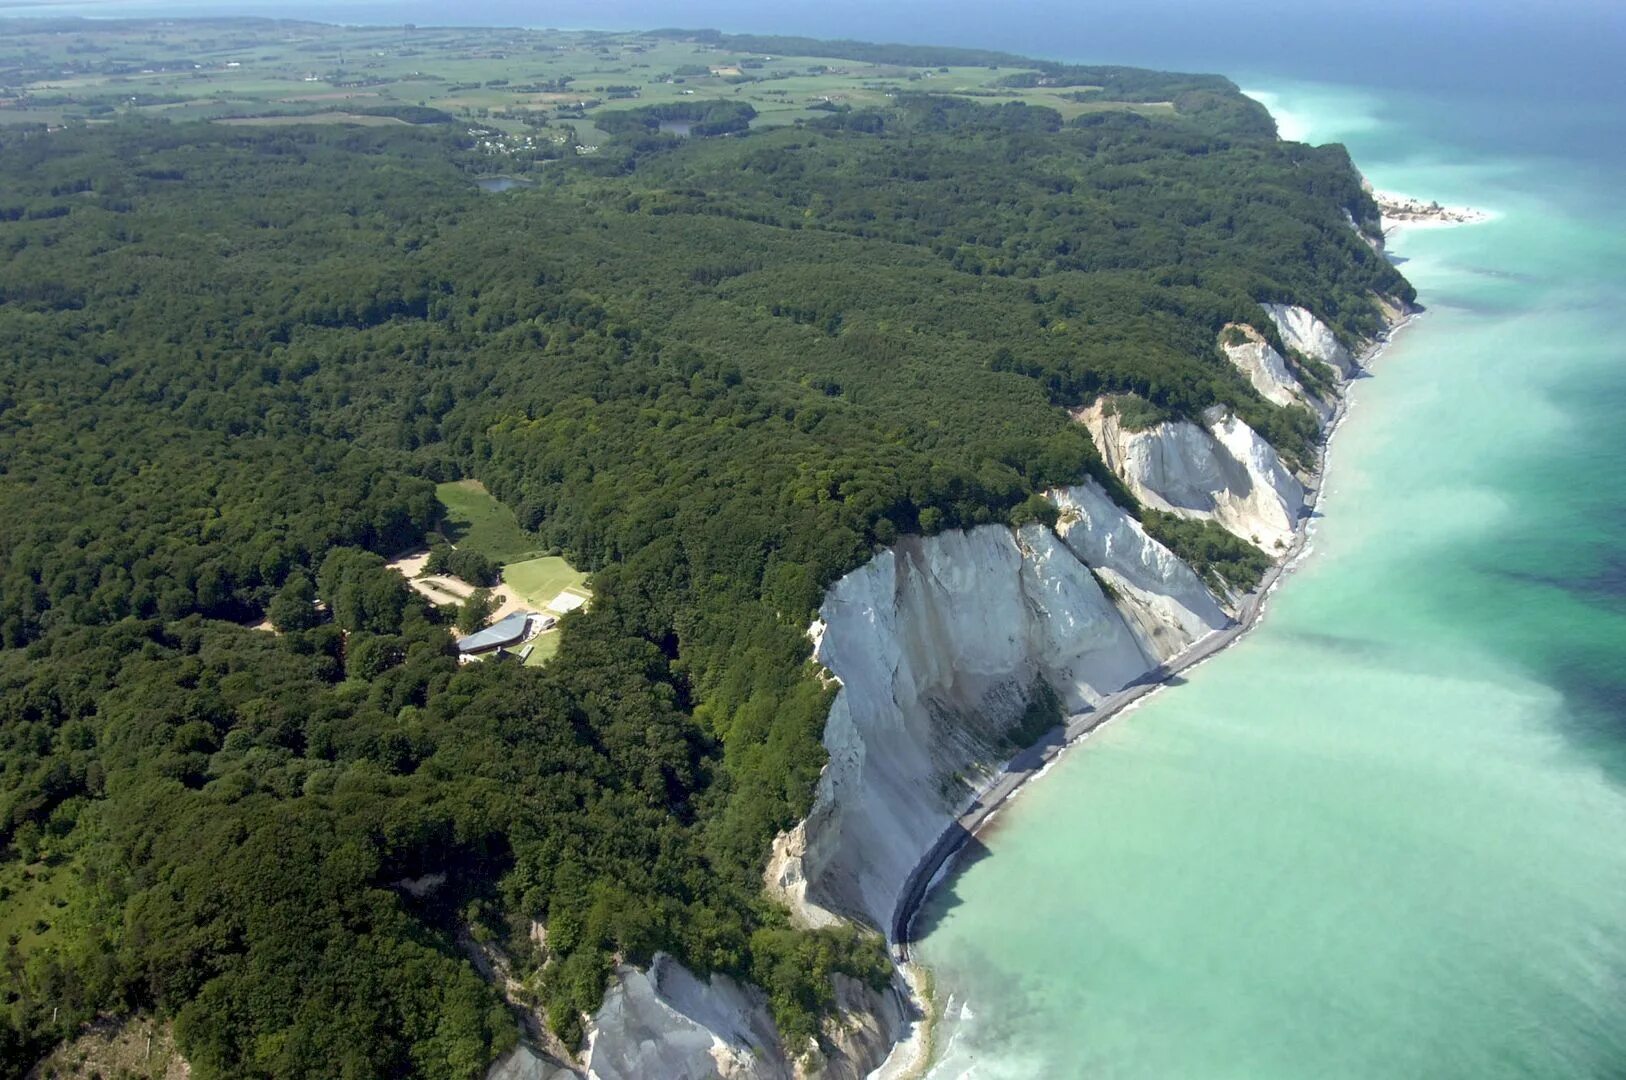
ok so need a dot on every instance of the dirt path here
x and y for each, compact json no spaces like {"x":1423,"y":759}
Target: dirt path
{"x":444,"y":589}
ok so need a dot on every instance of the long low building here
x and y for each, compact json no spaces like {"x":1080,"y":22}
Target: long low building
{"x":511,"y":630}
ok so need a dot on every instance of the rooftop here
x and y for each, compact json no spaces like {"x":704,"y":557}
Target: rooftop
{"x":504,"y":631}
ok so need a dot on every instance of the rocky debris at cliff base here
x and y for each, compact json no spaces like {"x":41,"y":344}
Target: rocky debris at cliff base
{"x":784,"y":874}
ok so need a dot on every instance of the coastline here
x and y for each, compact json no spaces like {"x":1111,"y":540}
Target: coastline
{"x":1035,"y":760}
{"x":1399,"y":212}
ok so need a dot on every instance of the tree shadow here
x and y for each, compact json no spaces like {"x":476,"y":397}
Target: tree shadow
{"x":453,"y":530}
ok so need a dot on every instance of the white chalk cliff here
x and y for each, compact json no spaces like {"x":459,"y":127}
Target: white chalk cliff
{"x":1165,"y":603}
{"x":1221,"y":471}
{"x":1267,"y":371}
{"x":667,"y":1022}
{"x":939,"y":644}
{"x":1309,"y":335}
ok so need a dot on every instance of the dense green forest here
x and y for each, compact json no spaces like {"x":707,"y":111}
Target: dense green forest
{"x":715,"y":372}
{"x":701,"y":119}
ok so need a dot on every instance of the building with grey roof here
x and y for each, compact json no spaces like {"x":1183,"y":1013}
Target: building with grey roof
{"x":511,"y":630}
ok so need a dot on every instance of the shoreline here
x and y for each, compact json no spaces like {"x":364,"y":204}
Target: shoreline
{"x":1400,"y":212}
{"x":938,"y":864}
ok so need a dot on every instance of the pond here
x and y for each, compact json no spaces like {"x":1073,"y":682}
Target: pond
{"x":496,"y":184}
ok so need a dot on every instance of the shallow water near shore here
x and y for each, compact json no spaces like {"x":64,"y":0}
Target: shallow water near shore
{"x":1385,"y":835}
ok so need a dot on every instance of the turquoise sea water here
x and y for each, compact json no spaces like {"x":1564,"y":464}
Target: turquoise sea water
{"x":1385,"y":835}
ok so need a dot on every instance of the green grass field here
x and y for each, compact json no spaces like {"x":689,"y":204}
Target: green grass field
{"x":476,"y":520}
{"x":546,"y":646}
{"x":539,"y":580}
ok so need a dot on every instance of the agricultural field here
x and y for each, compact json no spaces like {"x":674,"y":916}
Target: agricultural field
{"x":528,"y":95}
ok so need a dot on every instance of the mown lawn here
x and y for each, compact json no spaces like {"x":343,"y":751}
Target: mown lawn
{"x":539,"y":580}
{"x":546,"y":646}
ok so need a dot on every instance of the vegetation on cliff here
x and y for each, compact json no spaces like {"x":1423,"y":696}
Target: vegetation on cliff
{"x":717,"y":373}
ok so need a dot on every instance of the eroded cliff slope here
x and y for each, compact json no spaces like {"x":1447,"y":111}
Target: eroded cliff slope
{"x":941,"y":645}
{"x":1268,"y":371}
{"x":1220,"y":470}
{"x":1301,"y":330}
{"x":667,"y":1022}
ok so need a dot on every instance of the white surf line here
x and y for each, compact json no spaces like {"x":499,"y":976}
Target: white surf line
{"x":1036,"y":760}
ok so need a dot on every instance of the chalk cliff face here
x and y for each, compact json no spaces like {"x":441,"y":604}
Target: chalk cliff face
{"x":1309,"y":335}
{"x":1267,"y":370}
{"x":524,"y":1063}
{"x":1222,"y":470}
{"x":1375,"y":242}
{"x":1165,"y":603}
{"x":939,"y":644}
{"x":669,"y":1023}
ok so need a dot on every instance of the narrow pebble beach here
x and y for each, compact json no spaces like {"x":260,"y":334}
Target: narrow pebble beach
{"x":1385,"y":835}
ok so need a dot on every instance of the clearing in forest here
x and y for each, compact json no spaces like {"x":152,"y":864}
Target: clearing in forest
{"x":474,"y":519}
{"x":543,"y":648}
{"x":547,"y":584}
{"x":539,"y":582}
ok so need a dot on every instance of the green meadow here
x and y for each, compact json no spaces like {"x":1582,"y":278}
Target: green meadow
{"x":538,"y":581}
{"x":474,"y":519}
